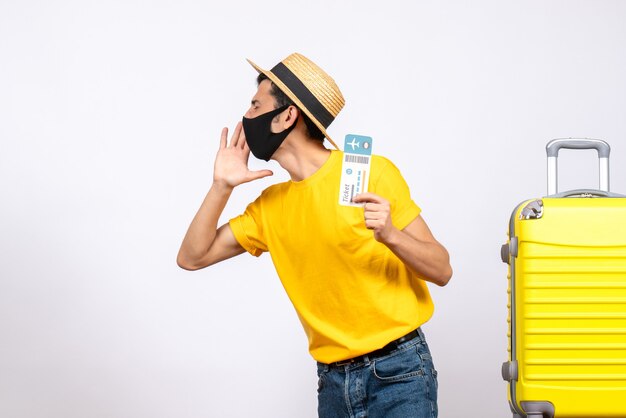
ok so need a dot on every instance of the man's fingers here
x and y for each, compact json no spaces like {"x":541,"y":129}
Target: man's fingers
{"x":367,"y":197}
{"x":372,"y":224}
{"x":235,"y":140}
{"x":375,"y":208}
{"x":255,"y":175}
{"x":375,"y":216}
{"x":242,"y":138}
{"x":224,"y":138}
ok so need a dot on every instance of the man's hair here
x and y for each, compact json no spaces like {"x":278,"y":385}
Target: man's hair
{"x":281,"y":99}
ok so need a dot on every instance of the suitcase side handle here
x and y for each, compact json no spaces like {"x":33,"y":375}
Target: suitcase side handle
{"x":552,"y":150}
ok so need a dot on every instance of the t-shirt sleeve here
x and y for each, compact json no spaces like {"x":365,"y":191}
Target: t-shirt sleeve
{"x":390,"y":185}
{"x":248,"y":229}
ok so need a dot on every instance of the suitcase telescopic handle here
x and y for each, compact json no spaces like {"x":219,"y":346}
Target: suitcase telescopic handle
{"x":553,"y":147}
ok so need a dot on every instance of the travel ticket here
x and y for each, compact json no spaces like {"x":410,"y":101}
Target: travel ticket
{"x":355,"y":171}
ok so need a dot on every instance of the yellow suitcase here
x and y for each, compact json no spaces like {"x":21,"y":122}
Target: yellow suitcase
{"x":567,"y":299}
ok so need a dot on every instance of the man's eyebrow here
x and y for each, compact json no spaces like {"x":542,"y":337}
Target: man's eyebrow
{"x":255,"y":102}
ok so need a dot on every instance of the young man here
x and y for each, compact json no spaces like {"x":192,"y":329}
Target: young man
{"x":356,"y":275}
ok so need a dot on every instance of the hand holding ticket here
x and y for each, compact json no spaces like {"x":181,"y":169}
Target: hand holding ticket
{"x":377,"y":214}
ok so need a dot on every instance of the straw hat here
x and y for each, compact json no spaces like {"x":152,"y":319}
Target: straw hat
{"x":311,"y":89}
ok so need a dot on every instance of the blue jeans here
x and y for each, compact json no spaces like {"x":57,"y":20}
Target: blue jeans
{"x":401,"y":384}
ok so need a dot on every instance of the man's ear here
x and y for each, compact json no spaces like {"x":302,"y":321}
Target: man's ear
{"x":292,"y":116}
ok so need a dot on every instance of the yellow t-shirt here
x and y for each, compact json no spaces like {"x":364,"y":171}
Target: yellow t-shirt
{"x":351,"y":293}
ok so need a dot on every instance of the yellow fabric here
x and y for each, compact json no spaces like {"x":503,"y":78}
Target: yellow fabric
{"x":351,"y":293}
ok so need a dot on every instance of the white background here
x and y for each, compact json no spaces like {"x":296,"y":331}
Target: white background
{"x":110,"y":114}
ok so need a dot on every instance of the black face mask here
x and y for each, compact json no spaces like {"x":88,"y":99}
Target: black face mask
{"x":261,"y":140}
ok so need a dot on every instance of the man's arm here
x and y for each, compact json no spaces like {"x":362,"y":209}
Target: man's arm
{"x":205,"y":244}
{"x":415,"y":245}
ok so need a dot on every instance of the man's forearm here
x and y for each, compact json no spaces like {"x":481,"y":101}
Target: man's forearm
{"x":203,"y":228}
{"x":429,"y":260}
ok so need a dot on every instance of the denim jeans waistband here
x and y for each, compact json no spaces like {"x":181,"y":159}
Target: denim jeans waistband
{"x":381,"y":352}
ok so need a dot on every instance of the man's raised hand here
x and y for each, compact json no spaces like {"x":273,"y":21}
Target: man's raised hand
{"x":231,"y":162}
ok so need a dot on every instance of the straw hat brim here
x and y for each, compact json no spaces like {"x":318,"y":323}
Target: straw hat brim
{"x":295,"y":99}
